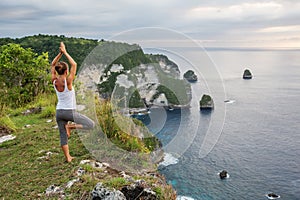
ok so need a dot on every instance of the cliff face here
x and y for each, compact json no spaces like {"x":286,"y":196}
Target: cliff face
{"x":149,"y":77}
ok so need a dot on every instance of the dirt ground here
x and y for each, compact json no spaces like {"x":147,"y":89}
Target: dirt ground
{"x":4,"y":131}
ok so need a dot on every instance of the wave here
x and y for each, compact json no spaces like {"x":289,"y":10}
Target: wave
{"x":184,"y":198}
{"x":169,"y":159}
{"x":229,"y":101}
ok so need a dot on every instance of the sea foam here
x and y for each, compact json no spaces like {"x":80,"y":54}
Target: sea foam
{"x":184,"y":198}
{"x":169,"y":159}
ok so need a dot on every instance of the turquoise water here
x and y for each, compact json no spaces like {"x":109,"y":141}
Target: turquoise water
{"x":259,"y":144}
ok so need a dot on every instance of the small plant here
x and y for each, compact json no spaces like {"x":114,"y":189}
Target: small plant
{"x":122,"y":131}
{"x":6,"y":122}
{"x":48,"y":111}
{"x":116,"y":182}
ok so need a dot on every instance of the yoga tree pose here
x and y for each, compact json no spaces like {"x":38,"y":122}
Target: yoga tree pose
{"x":62,"y":79}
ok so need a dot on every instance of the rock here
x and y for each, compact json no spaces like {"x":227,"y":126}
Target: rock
{"x":223,"y":174}
{"x":71,"y":182}
{"x":127,"y":177}
{"x":273,"y":196}
{"x":54,"y":190}
{"x":190,"y":76}
{"x":80,"y":171}
{"x":32,"y":111}
{"x":138,"y":191}
{"x":247,"y":74}
{"x":6,"y":138}
{"x":82,"y":162}
{"x":47,"y":155}
{"x":206,"y":102}
{"x":93,"y":164}
{"x":55,"y":127}
{"x":102,"y":193}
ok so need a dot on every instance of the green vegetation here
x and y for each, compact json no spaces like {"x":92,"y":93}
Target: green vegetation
{"x":190,"y":76}
{"x":170,"y":95}
{"x":25,"y":85}
{"x":79,"y":48}
{"x":23,"y":174}
{"x":7,"y":124}
{"x":136,"y":101}
{"x":23,"y":75}
{"x":155,"y":58}
{"x":129,"y":56}
{"x":124,"y":131}
{"x":205,"y":99}
{"x":206,"y":102}
{"x":26,"y":175}
{"x":177,"y":91}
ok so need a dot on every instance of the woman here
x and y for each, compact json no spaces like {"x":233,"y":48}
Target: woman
{"x":65,"y":108}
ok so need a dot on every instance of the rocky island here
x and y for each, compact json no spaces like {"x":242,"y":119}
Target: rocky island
{"x":206,"y":103}
{"x":247,"y":74}
{"x":190,"y":76}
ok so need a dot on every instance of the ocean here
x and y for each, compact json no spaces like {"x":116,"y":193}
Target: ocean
{"x":254,"y":135}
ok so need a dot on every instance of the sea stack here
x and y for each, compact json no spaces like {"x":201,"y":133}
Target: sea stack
{"x":247,"y":74}
{"x":206,"y":102}
{"x":273,"y":196}
{"x":223,"y":174}
{"x":190,"y":76}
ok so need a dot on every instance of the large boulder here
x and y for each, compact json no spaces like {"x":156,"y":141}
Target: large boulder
{"x":190,"y":76}
{"x":247,"y":74}
{"x":206,"y":102}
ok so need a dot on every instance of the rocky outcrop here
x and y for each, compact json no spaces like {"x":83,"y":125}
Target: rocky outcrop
{"x":223,"y":174}
{"x":247,"y":74}
{"x":138,"y":190}
{"x":143,"y":188}
{"x":102,"y":193}
{"x":206,"y":102}
{"x":190,"y":76}
{"x":273,"y":196}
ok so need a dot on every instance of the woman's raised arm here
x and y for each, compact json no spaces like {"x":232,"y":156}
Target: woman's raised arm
{"x":71,"y":61}
{"x":53,"y":64}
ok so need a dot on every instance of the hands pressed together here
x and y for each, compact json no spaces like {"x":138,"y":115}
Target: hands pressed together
{"x":62,"y":48}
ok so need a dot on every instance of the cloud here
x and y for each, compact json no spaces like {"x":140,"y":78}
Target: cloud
{"x":203,"y":20}
{"x":278,"y":29}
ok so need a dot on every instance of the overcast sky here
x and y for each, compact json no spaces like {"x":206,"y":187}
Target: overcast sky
{"x":253,"y":23}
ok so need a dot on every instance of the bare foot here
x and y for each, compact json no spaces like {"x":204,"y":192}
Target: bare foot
{"x":68,"y":130}
{"x":70,"y":159}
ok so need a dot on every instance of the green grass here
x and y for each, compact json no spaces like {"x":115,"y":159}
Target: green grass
{"x":23,"y":175}
{"x":6,"y":122}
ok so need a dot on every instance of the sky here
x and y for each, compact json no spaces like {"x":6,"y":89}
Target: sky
{"x":215,"y":23}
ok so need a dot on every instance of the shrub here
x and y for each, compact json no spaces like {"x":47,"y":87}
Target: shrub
{"x":6,"y":122}
{"x":23,"y":75}
{"x":48,"y":111}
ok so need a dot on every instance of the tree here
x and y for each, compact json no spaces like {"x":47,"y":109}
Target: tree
{"x":23,"y":74}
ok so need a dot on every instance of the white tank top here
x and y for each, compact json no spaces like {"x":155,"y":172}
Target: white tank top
{"x":66,"y":98}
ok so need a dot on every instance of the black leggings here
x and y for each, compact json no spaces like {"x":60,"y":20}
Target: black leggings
{"x":62,"y":118}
